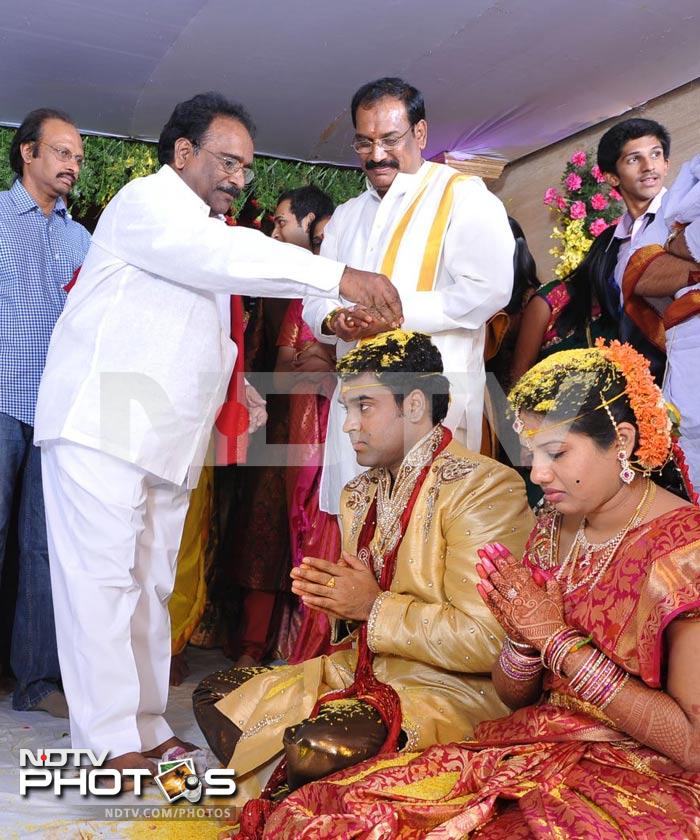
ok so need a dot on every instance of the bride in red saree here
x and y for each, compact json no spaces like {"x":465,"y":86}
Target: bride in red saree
{"x":601,"y":664}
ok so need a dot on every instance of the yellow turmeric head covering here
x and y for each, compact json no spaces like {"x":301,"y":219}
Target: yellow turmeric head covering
{"x":400,"y":351}
{"x":567,"y":386}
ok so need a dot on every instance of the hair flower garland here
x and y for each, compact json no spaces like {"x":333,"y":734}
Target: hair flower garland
{"x":557,"y":386}
{"x":646,"y":401}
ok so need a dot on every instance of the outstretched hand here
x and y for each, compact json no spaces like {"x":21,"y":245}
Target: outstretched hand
{"x":529,"y":606}
{"x":375,"y":292}
{"x":346,"y":589}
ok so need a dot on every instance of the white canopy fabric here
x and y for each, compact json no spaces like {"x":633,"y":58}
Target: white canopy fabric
{"x":500,"y":77}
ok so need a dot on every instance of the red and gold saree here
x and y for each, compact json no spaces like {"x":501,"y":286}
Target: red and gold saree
{"x":558,"y":769}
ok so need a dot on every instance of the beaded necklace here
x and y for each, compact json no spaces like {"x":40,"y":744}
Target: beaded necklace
{"x":580,"y":555}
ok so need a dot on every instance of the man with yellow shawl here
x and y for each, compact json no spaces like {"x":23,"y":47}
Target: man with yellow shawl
{"x":403,"y":590}
{"x":442,"y":238}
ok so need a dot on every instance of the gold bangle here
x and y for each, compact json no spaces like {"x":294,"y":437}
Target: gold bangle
{"x":328,"y":320}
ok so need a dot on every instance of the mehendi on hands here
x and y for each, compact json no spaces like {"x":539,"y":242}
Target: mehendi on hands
{"x":527,"y":611}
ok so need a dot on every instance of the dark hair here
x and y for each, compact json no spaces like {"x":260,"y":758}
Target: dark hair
{"x":524,"y":269}
{"x":314,"y":224}
{"x":596,"y":425}
{"x":580,"y":401}
{"x":30,"y":132}
{"x":403,"y":367}
{"x":192,"y":118}
{"x":394,"y":87}
{"x":589,"y":283}
{"x":611,"y":143}
{"x":308,"y":199}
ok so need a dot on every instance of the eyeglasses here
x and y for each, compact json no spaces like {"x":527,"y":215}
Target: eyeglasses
{"x":365,"y":145}
{"x":63,"y":154}
{"x":230,"y":165}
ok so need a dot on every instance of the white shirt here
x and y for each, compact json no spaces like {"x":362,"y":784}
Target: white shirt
{"x":138,"y":363}
{"x":682,"y":379}
{"x":628,"y":230}
{"x":474,"y":280}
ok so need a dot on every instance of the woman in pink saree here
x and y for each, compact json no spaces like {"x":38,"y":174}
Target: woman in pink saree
{"x":312,"y":532}
{"x":601,"y":663}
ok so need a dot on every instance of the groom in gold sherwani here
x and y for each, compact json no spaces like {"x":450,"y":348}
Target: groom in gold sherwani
{"x":403,"y":591}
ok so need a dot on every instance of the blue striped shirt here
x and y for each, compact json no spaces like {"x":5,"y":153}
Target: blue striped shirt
{"x":38,"y":255}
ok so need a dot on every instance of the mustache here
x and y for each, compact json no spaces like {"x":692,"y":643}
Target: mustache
{"x":377,"y":164}
{"x":234,"y":192}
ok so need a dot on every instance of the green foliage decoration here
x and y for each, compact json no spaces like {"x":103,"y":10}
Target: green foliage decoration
{"x":273,"y":176}
{"x":111,"y":162}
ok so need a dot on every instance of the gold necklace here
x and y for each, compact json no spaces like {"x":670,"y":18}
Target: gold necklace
{"x":392,"y":500}
{"x":606,"y":550}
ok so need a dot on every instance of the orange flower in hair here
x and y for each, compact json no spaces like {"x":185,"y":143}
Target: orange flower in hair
{"x":646,"y":401}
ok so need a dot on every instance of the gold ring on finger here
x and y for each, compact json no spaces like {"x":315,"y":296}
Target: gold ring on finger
{"x":330,"y":583}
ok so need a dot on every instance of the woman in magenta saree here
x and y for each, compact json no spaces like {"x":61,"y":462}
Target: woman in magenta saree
{"x":312,"y":532}
{"x":602,"y":659}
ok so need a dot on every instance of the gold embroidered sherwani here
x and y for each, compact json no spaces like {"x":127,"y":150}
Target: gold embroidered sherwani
{"x":434,"y":638}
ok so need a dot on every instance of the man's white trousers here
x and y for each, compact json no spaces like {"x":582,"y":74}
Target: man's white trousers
{"x":114,"y":531}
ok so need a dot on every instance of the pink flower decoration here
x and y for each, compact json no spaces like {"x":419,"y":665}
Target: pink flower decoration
{"x":550,"y":196}
{"x":578,"y":158}
{"x":616,"y":221}
{"x":615,"y":195}
{"x":597,"y":174}
{"x":578,"y":210}
{"x":561,"y":202}
{"x":599,"y":201}
{"x":597,"y":227}
{"x":573,"y":182}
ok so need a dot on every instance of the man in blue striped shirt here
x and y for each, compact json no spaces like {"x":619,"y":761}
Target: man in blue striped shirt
{"x":40,"y":248}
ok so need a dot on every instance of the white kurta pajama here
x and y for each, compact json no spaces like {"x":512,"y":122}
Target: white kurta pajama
{"x":445,"y":242}
{"x":137,"y":367}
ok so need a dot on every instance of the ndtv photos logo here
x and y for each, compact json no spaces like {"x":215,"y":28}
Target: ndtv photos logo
{"x":59,"y":770}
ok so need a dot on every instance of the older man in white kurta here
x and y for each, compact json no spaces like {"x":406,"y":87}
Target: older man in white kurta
{"x":442,"y":238}
{"x":137,"y":367}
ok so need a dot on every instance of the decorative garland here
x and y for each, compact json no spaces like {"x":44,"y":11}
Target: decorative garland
{"x":646,"y":401}
{"x":110,"y":163}
{"x":583,"y":209}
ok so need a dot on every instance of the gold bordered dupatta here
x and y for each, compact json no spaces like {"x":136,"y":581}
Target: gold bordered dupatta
{"x":435,"y":200}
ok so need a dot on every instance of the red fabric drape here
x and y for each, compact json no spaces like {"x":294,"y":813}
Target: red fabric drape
{"x":231,"y":439}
